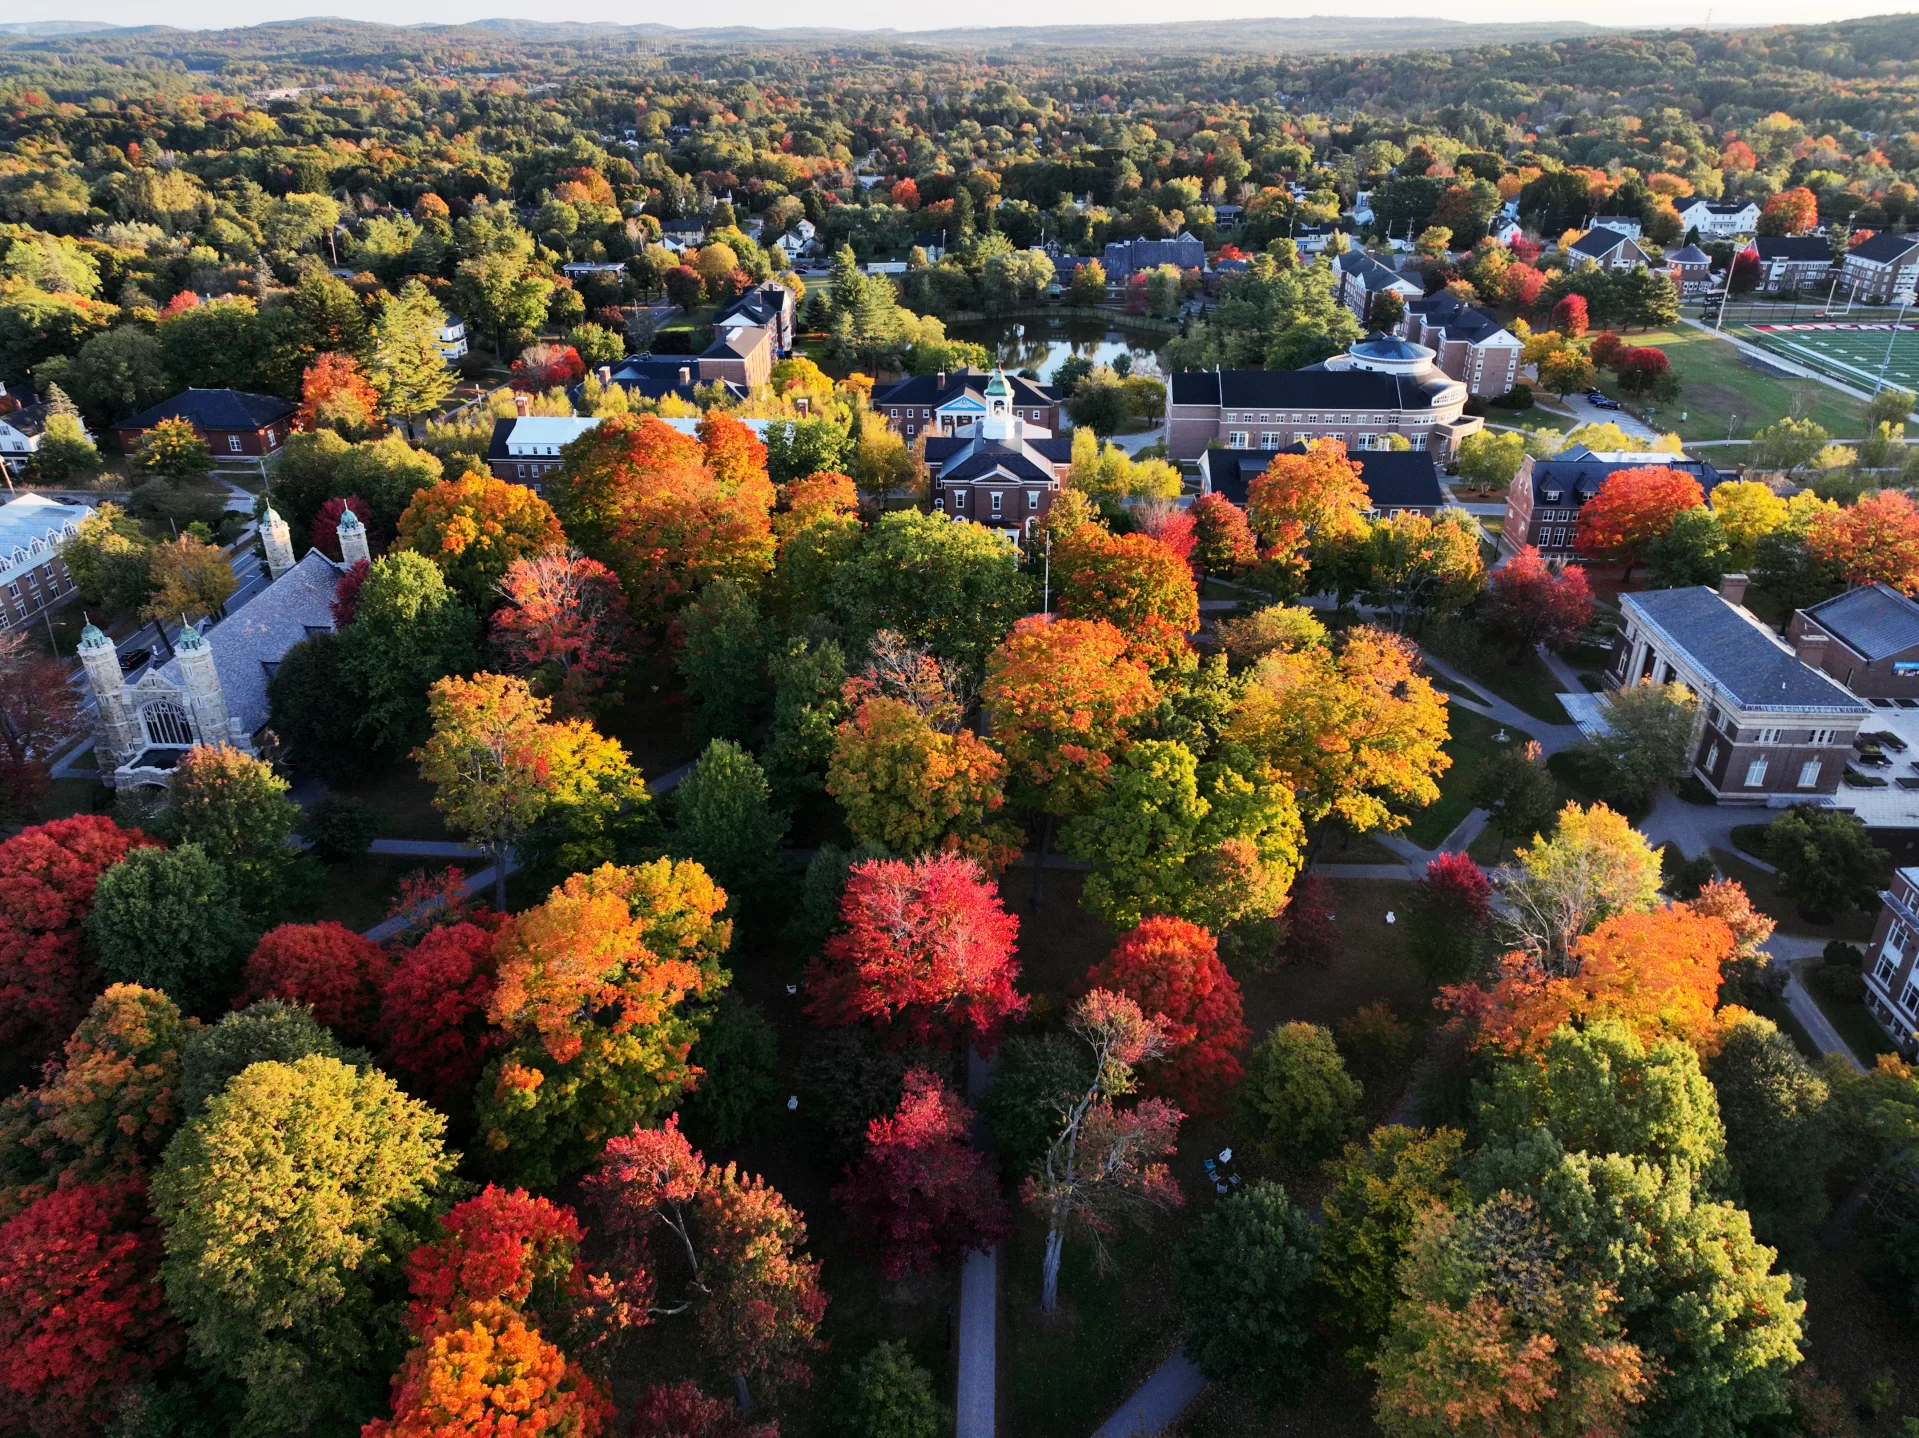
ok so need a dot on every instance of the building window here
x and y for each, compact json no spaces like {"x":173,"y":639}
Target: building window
{"x":959,"y":498}
{"x":1269,"y":439}
{"x":1909,"y":1000}
{"x":1032,"y":499}
{"x":1236,"y":439}
{"x":233,"y":443}
{"x":1809,"y":773}
{"x":1755,"y":773}
{"x":1887,"y":968}
{"x":996,"y":500}
{"x":166,"y":723}
{"x":1899,"y":937}
{"x":1823,"y":736}
{"x":1712,"y":757}
{"x":1769,"y":736}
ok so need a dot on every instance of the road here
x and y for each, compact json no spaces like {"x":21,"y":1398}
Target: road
{"x":1584,"y":411}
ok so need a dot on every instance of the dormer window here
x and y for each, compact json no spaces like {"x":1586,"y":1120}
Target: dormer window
{"x":1553,"y":496}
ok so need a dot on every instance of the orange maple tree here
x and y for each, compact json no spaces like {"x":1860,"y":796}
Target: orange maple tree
{"x":334,"y":394}
{"x":1875,"y":541}
{"x":1172,"y":970}
{"x":474,"y":527}
{"x":1633,"y":508}
{"x":1133,"y":581}
{"x":1308,"y":498}
{"x":824,"y":494}
{"x":643,"y":499}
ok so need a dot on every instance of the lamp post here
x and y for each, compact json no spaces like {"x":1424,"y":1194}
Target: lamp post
{"x":1905,"y":298}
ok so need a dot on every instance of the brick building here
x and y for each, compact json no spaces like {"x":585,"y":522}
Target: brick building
{"x":1398,"y":481}
{"x":1000,"y":469}
{"x":1892,"y":962}
{"x":33,"y":577}
{"x":1468,"y":343}
{"x":1543,"y":502}
{"x":1866,"y":638}
{"x":236,"y":425}
{"x":944,"y":404}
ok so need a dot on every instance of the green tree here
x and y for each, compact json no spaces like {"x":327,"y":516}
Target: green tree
{"x":1099,"y":403}
{"x":1890,"y":405}
{"x":1489,"y":459}
{"x":119,"y":373}
{"x":1696,"y":550}
{"x":1647,"y":743}
{"x":290,"y":1206}
{"x":1826,"y":860}
{"x":1244,"y":1273}
{"x":723,"y":663}
{"x":166,"y":919}
{"x":891,"y":1396}
{"x":1519,"y":791}
{"x":1298,"y":1100}
{"x":237,"y":810}
{"x":738,"y":1054}
{"x":107,"y":557}
{"x":950,"y":585}
{"x":314,"y":709}
{"x":67,"y":452}
{"x":270,"y":1031}
{"x":724,"y":819}
{"x":1779,"y":1128}
{"x":797,"y":448}
{"x":409,"y":630}
{"x":1037,"y":1078}
{"x":404,"y":359}
{"x":1382,"y":1190}
{"x":173,"y":450}
{"x":498,"y":294}
{"x":1787,"y":444}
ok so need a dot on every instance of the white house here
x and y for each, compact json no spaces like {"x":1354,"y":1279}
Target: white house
{"x":20,"y":432}
{"x":453,"y":338}
{"x":33,"y":577}
{"x":1719,"y":221}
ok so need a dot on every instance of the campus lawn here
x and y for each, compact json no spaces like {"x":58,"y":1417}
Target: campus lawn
{"x":402,"y":801}
{"x":357,"y":895}
{"x":1527,"y":684}
{"x":1471,"y":748}
{"x":1716,"y":385}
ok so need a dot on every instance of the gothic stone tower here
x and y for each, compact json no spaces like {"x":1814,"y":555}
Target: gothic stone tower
{"x":116,"y":729}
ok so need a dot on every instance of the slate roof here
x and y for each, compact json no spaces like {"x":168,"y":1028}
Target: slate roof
{"x":1458,"y":320}
{"x":1874,"y":621}
{"x":216,"y":409}
{"x":1803,"y":249}
{"x":257,"y":635}
{"x":1689,"y":255}
{"x":757,"y":305}
{"x":1394,"y":478}
{"x":924,"y":389}
{"x":966,"y":457}
{"x":1737,"y":652}
{"x":1371,"y":273}
{"x":736,"y":343}
{"x":1577,"y":474}
{"x":30,"y":528}
{"x":1597,"y":244}
{"x":1307,"y":389}
{"x":1884,"y":249}
{"x":28,"y":419}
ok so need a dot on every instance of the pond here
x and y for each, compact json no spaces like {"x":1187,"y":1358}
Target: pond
{"x":1043,"y":345}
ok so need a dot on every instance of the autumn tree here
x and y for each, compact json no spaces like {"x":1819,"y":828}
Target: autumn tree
{"x":48,"y":874}
{"x":926,"y":947}
{"x":1223,"y":542}
{"x":270,"y":1031}
{"x":1352,"y":731}
{"x":236,"y":808}
{"x":172,"y":450}
{"x":1298,"y":1099}
{"x":680,"y":1410}
{"x":1133,"y":582}
{"x":433,"y":1030}
{"x":330,"y":969}
{"x":564,"y":625}
{"x":1779,"y":1131}
{"x":1171,"y":969}
{"x":1594,"y":865}
{"x":1451,"y":912}
{"x":713,"y":1242}
{"x":187,"y":576}
{"x":1103,"y":1168}
{"x":335,"y":395}
{"x":1634,"y":507}
{"x":1790,"y":212}
{"x":596,"y":991}
{"x":82,"y":1315}
{"x":1310,"y":499}
{"x":1571,"y":316}
{"x":474,"y":527}
{"x":542,"y":367}
{"x":921,"y":1192}
{"x":1420,"y":567}
{"x":1526,"y":604}
{"x":290,"y":1205}
{"x":915,"y":786}
{"x":643,"y":499}
{"x":1246,"y":1271}
{"x":39,"y":713}
{"x":1875,"y":541}
{"x":166,"y":919}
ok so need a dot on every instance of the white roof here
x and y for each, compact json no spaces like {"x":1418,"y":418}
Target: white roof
{"x":691,"y":426}
{"x":1636,"y":456}
{"x":31,"y":529}
{"x":547,"y":434}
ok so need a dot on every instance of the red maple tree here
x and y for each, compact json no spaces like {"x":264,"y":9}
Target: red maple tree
{"x":1606,"y":348}
{"x":1634,"y":507}
{"x":1457,"y":887}
{"x":39,"y":713}
{"x":928,"y":949}
{"x":325,"y":530}
{"x":346,"y":592}
{"x":1521,"y":284}
{"x":1171,"y":525}
{"x":82,"y":1316}
{"x":1875,"y":541}
{"x":433,"y":1002}
{"x":1642,"y":369}
{"x":1570,"y":316}
{"x":47,"y":877}
{"x":566,"y":622}
{"x":1310,"y":937}
{"x":1222,"y":539}
{"x":501,"y":1246}
{"x":1526,"y":604}
{"x":921,"y":1192}
{"x":543,"y":367}
{"x":1172,"y":970}
{"x":680,"y":1410}
{"x":325,"y":965}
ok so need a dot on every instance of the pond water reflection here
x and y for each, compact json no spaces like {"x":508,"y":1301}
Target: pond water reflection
{"x":1043,"y":345}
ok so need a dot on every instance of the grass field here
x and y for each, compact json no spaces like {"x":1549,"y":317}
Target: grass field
{"x":1720,"y":392}
{"x":1852,"y":350}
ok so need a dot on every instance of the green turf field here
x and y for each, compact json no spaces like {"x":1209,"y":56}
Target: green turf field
{"x":1849,"y":350}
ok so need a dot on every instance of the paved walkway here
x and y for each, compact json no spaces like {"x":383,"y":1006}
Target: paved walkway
{"x":427,"y":848}
{"x":1156,"y":1403}
{"x":476,"y":884}
{"x":979,"y":1303}
{"x":1552,"y":737}
{"x":1584,"y":411}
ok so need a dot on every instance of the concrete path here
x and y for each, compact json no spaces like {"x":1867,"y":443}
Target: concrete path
{"x":1567,"y":676}
{"x":1363,"y":871}
{"x":1156,"y":1403}
{"x":1696,"y":828}
{"x":1818,"y":1027}
{"x":427,"y":848}
{"x":1552,"y":737}
{"x":978,"y":1384}
{"x":476,"y":884}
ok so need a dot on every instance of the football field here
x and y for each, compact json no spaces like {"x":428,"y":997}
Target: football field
{"x":1854,"y":352}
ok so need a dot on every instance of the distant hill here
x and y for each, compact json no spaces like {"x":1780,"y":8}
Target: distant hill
{"x":53,"y":29}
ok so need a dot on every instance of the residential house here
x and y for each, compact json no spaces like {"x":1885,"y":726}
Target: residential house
{"x":1690,"y":269}
{"x":453,"y":337}
{"x":1361,"y":276}
{"x":1398,"y":481}
{"x":1544,"y":499}
{"x":20,"y":430}
{"x":235,"y":425}
{"x":580,"y":269}
{"x":33,"y":577}
{"x":770,"y":307}
{"x":1123,"y":258}
{"x":1382,"y":386}
{"x":1892,"y":962}
{"x":1771,"y":729}
{"x":1792,"y":262}
{"x":1882,"y":267}
{"x":1717,"y":221}
{"x":943,"y":404}
{"x":1866,"y":638}
{"x":741,"y":355}
{"x":999,"y":468}
{"x":1627,"y":225}
{"x":797,"y":240}
{"x":1468,"y":342}
{"x":1505,"y":229}
{"x":1609,"y":249}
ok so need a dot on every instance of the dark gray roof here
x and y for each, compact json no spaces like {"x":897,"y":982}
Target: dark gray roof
{"x":1308,"y":389}
{"x":1886,"y":248}
{"x":1394,"y":478}
{"x":1874,"y":621}
{"x":1803,"y":248}
{"x":1744,"y":658}
{"x":1372,"y":274}
{"x":1576,"y":474}
{"x":736,"y":343}
{"x":1689,"y":255}
{"x":1598,"y":243}
{"x":1457,"y":319}
{"x":216,"y":409}
{"x":924,"y":389}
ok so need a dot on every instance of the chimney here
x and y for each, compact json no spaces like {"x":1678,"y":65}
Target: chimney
{"x":1810,"y":646}
{"x":606,"y":374}
{"x":1732,"y":589}
{"x":523,"y":404}
{"x":939,"y":381}
{"x":686,"y":374}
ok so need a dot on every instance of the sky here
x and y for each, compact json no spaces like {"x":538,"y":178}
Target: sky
{"x":865,"y":14}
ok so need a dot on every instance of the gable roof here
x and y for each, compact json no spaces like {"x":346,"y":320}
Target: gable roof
{"x":215,"y":409}
{"x":1308,"y":389}
{"x":924,"y":389}
{"x":1458,"y":320}
{"x":1803,"y":248}
{"x":1874,"y":621}
{"x":1736,"y":652}
{"x":1372,"y":274}
{"x":1576,"y":474}
{"x":1597,"y":244}
{"x":1884,"y":249}
{"x":738,"y":343}
{"x":1394,"y":478}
